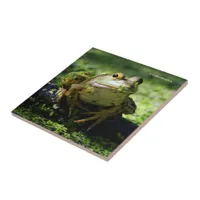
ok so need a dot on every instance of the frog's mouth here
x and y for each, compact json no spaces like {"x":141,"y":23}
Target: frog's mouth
{"x":135,"y":81}
{"x":100,"y":85}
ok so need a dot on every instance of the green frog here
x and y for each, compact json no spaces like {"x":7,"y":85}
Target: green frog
{"x":107,"y":93}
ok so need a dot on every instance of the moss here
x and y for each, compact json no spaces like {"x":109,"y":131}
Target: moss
{"x":98,"y":144}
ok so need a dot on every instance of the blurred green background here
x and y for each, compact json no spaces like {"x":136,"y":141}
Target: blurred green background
{"x":151,"y":93}
{"x":157,"y":87}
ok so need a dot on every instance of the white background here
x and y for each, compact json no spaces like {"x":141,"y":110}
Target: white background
{"x":38,"y":39}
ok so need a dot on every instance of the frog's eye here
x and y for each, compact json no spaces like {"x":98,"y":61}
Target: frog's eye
{"x":118,"y":76}
{"x":115,"y":75}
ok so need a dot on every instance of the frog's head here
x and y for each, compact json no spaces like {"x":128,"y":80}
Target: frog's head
{"x":127,"y":82}
{"x":118,"y":82}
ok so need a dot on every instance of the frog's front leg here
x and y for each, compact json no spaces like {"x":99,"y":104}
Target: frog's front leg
{"x":73,"y":97}
{"x":129,"y":106}
{"x":60,"y":93}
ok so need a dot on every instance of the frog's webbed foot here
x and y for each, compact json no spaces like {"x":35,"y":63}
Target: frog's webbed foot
{"x":98,"y":119}
{"x":100,"y":116}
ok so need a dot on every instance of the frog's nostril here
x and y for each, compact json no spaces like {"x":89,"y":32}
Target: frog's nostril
{"x":140,"y":81}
